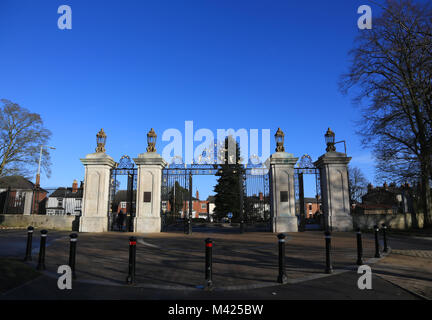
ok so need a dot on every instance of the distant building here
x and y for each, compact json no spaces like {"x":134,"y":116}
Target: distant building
{"x":66,"y":201}
{"x":388,"y":199}
{"x":312,"y":206}
{"x":200,"y":208}
{"x":19,"y":195}
{"x":123,"y":201}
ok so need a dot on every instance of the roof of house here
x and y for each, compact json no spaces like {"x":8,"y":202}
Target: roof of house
{"x":67,"y":193}
{"x":16,"y":182}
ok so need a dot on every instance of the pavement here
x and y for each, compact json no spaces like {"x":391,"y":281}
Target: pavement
{"x":245,"y":266}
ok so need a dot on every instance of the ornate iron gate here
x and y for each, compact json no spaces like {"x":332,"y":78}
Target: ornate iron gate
{"x":305,"y":166}
{"x":177,"y":197}
{"x":176,"y":194}
{"x":256,"y":199}
{"x":122,"y":203}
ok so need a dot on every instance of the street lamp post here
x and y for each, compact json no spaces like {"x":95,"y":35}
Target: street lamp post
{"x":35,"y":199}
{"x":39,"y":165}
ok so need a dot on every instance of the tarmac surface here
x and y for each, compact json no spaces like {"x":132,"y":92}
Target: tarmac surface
{"x":245,"y":266}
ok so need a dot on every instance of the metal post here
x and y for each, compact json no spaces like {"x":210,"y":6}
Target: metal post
{"x":377,"y":251}
{"x":41,"y":261}
{"x":282,"y":278}
{"x":329,"y":268}
{"x":72,"y":253}
{"x":301,"y":203}
{"x":359,"y":248}
{"x":241,"y":203}
{"x":28,"y":256}
{"x":208,"y":263}
{"x":190,"y":204}
{"x":6,"y":203}
{"x":132,"y":259}
{"x":384,"y":229}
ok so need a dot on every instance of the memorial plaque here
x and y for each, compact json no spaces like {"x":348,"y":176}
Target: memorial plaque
{"x":147,"y":196}
{"x":284,"y":196}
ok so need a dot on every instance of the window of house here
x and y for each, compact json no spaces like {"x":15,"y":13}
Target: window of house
{"x":60,"y":202}
{"x":123,"y":205}
{"x":310,"y":207}
{"x":203,"y":206}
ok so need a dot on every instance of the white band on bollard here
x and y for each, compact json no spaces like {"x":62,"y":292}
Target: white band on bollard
{"x":43,"y":235}
{"x":328,"y":237}
{"x":73,"y":239}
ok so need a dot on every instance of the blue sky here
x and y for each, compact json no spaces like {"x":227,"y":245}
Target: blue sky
{"x":127,"y":66}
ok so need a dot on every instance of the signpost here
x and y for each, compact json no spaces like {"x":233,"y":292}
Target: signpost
{"x":229,"y":215}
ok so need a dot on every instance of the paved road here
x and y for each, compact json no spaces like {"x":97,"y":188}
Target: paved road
{"x":246,"y":263}
{"x":342,"y":286}
{"x":13,"y":242}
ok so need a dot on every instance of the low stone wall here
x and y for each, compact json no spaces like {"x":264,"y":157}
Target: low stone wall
{"x":399,"y":221}
{"x":67,"y":223}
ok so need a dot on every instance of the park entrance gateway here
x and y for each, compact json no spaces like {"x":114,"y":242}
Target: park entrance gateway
{"x":122,"y":196}
{"x":178,"y":210}
{"x":267,"y":199}
{"x":309,"y":213}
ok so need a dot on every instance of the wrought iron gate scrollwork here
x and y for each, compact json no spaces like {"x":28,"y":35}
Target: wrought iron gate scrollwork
{"x":306,"y":166}
{"x":122,"y":200}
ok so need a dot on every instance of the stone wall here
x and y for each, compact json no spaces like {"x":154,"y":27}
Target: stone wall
{"x":400,"y":221}
{"x":67,"y":223}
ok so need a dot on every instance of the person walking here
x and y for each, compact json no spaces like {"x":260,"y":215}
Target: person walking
{"x":120,"y":220}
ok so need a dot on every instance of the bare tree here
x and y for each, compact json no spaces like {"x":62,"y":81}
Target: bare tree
{"x":357,"y":183}
{"x":392,"y":66}
{"x":21,"y":135}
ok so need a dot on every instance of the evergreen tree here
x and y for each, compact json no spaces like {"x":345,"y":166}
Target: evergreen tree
{"x":227,"y":189}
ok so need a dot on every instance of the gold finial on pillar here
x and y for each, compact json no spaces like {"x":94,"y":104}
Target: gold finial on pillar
{"x":279,"y":137}
{"x":151,"y":141}
{"x":101,"y":140}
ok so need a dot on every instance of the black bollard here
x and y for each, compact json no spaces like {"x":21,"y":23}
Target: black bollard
{"x":189,"y":226}
{"x":377,"y":251}
{"x":329,"y":268}
{"x":208,"y":263}
{"x":359,"y":248}
{"x":282,"y":278}
{"x":28,"y":256}
{"x":384,"y":229}
{"x":72,"y":253}
{"x":41,"y":261}
{"x":132,"y":255}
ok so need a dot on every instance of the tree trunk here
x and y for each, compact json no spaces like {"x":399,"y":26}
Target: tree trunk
{"x":426,"y":194}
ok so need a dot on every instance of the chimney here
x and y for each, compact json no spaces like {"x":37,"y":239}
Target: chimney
{"x":197,"y":195}
{"x":261,"y":196}
{"x":74,"y":186}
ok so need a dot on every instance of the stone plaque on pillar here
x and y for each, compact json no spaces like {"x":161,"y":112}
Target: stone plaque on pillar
{"x":334,"y":190}
{"x":283,"y":193}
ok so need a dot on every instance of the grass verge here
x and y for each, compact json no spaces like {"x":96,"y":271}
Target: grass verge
{"x":14,"y":273}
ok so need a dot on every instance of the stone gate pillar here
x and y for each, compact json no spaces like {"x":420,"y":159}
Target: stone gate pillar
{"x":334,"y":188}
{"x":98,"y":167}
{"x":148,"y":200}
{"x":282,"y":188}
